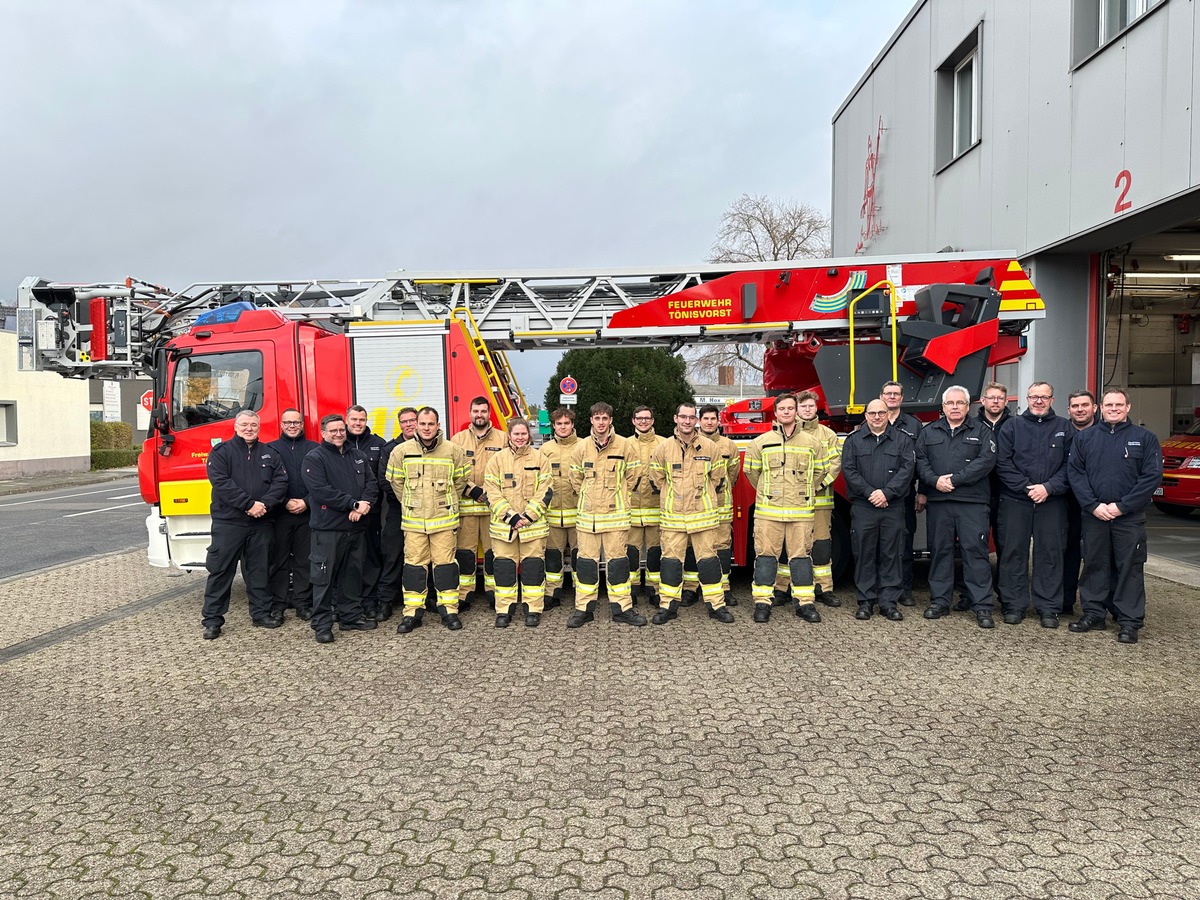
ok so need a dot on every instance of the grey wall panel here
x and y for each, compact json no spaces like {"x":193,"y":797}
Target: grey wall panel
{"x":1047,"y":156}
{"x":1097,"y":155}
{"x":1058,"y":347}
{"x":1157,"y":149}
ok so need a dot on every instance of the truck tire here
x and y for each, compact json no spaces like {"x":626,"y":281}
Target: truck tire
{"x":1173,"y":509}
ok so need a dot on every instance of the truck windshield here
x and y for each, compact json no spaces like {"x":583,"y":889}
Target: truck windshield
{"x":215,"y":387}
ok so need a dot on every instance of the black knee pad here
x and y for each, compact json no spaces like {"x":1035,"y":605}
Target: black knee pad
{"x":709,"y":569}
{"x":415,"y":578}
{"x":554,"y":560}
{"x":654,"y":558}
{"x":489,"y":562}
{"x":726,"y":558}
{"x":689,"y":560}
{"x":671,"y":573}
{"x":533,"y":571}
{"x":765,"y":568}
{"x":801,"y":569}
{"x":587,"y":570}
{"x":822,"y":552}
{"x":506,"y":572}
{"x":445,"y":577}
{"x":634,"y":556}
{"x":618,"y":570}
{"x":466,"y":561}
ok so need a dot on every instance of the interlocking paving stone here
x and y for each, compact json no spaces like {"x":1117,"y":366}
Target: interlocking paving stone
{"x":848,"y":759}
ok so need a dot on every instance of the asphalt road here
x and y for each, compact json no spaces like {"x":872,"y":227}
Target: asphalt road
{"x":49,"y":528}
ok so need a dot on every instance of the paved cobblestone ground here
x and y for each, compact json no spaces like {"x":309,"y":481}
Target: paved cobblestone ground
{"x":850,"y":759}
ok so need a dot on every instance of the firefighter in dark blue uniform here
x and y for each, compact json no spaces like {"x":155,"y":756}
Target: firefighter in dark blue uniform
{"x":1114,"y":468}
{"x":391,"y":536}
{"x":892,"y":394}
{"x":343,"y":488}
{"x":955,"y":454}
{"x":359,"y":437}
{"x":291,"y":538}
{"x":1031,"y":457}
{"x":248,"y":482}
{"x":1082,"y":409}
{"x":878,"y":464}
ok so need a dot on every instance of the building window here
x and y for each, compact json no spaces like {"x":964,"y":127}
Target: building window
{"x":966,"y":104}
{"x":8,"y":423}
{"x":1098,"y":22}
{"x":957,"y":85}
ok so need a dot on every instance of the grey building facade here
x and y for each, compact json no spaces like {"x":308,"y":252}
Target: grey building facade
{"x":1064,"y":132}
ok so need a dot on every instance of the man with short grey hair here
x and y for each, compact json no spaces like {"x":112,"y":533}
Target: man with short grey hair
{"x":954,"y":456}
{"x":248,"y":481}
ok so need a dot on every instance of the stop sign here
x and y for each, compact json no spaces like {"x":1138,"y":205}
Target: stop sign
{"x":147,"y":401}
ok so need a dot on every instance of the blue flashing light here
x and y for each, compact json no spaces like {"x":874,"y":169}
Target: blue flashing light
{"x":223,"y":315}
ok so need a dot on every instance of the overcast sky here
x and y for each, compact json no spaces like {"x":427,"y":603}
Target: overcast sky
{"x":180,"y":141}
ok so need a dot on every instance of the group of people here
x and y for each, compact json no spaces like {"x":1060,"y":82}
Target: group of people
{"x":1069,"y":488}
{"x":354,"y":526}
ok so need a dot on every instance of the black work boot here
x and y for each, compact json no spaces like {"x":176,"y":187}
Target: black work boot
{"x":780,"y":598}
{"x":762,"y":612}
{"x":827,"y":598}
{"x":808,"y":612}
{"x":666,"y":613}
{"x":626,"y":617}
{"x":689,"y":598}
{"x":730,"y":600}
{"x":580,"y":617}
{"x":721,"y":614}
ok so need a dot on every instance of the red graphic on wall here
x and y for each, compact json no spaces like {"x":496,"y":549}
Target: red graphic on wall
{"x":872,"y":227}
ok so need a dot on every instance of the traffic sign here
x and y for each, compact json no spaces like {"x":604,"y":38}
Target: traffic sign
{"x":147,"y":401}
{"x":568,"y":385}
{"x":568,"y":399}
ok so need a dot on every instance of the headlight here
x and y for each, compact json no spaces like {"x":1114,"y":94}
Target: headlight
{"x":1192,"y":462}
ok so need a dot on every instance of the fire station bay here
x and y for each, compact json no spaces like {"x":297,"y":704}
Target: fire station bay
{"x":1063,"y":132}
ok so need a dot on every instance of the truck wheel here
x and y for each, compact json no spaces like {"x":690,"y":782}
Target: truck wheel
{"x":1173,"y":509}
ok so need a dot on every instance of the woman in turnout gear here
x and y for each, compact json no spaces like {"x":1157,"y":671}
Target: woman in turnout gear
{"x":518,"y":487}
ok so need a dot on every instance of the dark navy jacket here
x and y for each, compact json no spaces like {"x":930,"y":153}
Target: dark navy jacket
{"x":336,"y":480}
{"x":292,"y":452}
{"x":1119,"y":464}
{"x":385,"y":486}
{"x":871,"y":463}
{"x":969,"y":455}
{"x":242,"y":475}
{"x":1032,"y":449}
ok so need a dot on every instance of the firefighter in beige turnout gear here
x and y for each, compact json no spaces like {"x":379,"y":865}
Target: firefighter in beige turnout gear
{"x":686,"y":470}
{"x":603,"y":469}
{"x":822,"y":548}
{"x":727,"y":455}
{"x":480,"y":441}
{"x":560,"y":517}
{"x":644,"y":510}
{"x":784,"y":466}
{"x":518,"y":485}
{"x":428,"y":475}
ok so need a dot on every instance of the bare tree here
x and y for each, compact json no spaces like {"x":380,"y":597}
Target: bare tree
{"x":757,"y":229}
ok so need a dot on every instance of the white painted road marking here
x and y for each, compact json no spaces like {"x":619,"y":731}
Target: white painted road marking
{"x":53,"y":499}
{"x":105,"y":509}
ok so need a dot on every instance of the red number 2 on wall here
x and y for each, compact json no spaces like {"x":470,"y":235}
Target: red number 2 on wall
{"x":1122,"y":203}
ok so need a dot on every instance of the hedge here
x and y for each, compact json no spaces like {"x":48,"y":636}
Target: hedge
{"x":111,"y":436}
{"x":114,"y":458}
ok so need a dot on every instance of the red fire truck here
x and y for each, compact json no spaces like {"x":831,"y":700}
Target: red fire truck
{"x":839,"y":326}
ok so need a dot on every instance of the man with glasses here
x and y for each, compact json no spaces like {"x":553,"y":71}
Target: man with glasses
{"x":955,"y":454}
{"x":878,"y":463}
{"x":291,"y":536}
{"x":1031,"y":457}
{"x":892,"y":394}
{"x":248,"y":481}
{"x":1114,"y":469}
{"x":391,"y":535}
{"x":644,"y":510}
{"x":1082,"y":409}
{"x":343,"y":488}
{"x":359,"y":437}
